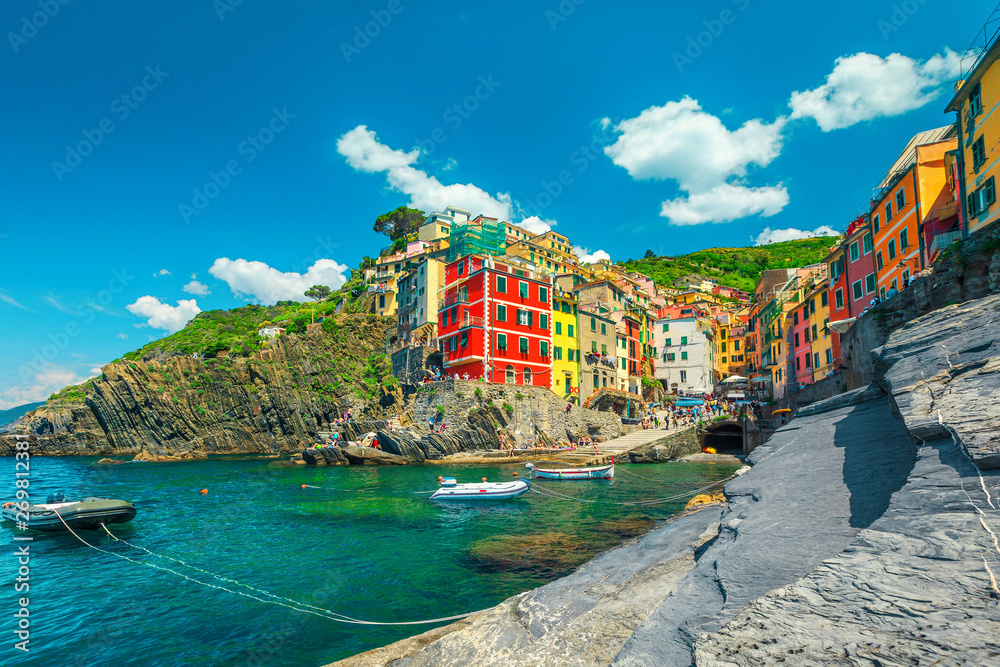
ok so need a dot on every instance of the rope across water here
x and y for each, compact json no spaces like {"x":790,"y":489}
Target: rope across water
{"x":300,"y":607}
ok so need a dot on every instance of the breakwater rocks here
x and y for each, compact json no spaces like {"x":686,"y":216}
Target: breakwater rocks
{"x":275,"y":401}
{"x":864,"y":533}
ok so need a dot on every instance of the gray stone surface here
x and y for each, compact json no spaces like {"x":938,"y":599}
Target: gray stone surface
{"x":812,"y":488}
{"x":943,"y":370}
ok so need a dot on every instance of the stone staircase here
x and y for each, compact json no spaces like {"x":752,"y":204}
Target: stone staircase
{"x":618,"y":446}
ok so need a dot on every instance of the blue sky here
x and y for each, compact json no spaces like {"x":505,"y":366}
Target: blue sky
{"x":169,"y":157}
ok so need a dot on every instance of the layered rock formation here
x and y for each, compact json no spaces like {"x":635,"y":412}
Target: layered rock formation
{"x":274,"y":401}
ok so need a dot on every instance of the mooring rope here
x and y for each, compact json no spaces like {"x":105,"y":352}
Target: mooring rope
{"x":322,"y":613}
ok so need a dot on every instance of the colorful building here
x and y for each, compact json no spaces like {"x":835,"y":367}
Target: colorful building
{"x":913,"y":192}
{"x":565,"y":346}
{"x":599,"y":362}
{"x":859,"y":266}
{"x":976,"y":98}
{"x":495,"y":322}
{"x":686,"y":364}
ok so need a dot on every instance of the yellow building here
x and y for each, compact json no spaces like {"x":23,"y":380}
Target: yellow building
{"x":565,"y":346}
{"x":976,"y":98}
{"x":819,"y":329}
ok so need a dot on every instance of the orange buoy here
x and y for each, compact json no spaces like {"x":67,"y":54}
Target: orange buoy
{"x":304,"y":485}
{"x":484,"y":479}
{"x":440,"y":478}
{"x":204,"y":492}
{"x":515,"y":474}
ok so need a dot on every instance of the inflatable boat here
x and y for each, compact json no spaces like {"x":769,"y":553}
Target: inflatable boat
{"x":451,"y":490}
{"x":86,"y":514}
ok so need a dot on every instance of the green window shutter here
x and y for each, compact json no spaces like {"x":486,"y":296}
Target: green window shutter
{"x":543,"y":320}
{"x":569,"y":330}
{"x":666,"y":328}
{"x":558,"y":328}
{"x":684,"y":355}
{"x":684,"y":340}
{"x":604,"y":349}
{"x":593,"y":346}
{"x":501,"y":341}
{"x":523,"y":345}
{"x":593,"y":324}
{"x":501,"y":313}
{"x":543,"y":294}
{"x":543,"y":347}
{"x":667,"y":342}
{"x":604,"y":328}
{"x":522,"y":290}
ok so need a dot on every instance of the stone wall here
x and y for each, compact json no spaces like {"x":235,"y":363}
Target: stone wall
{"x":408,"y":364}
{"x":825,"y":388}
{"x":533,"y":411}
{"x":667,"y":448}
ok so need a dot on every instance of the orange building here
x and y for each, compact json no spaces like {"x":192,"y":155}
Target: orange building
{"x":914,"y":192}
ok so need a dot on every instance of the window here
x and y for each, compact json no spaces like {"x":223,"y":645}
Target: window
{"x":525,"y":317}
{"x":900,"y":200}
{"x":722,"y":347}
{"x":502,"y":284}
{"x":667,"y":342}
{"x":543,"y":348}
{"x":558,"y":328}
{"x":795,"y":317}
{"x":604,"y":329}
{"x":906,"y":276}
{"x":604,"y":350}
{"x":597,"y":380}
{"x":522,"y":290}
{"x":869,"y":283}
{"x":976,"y":100}
{"x":557,"y":352}
{"x":522,"y":345}
{"x":684,"y":356}
{"x":460,"y":270}
{"x":979,"y":152}
{"x":722,"y":334}
{"x":684,"y":376}
{"x":510,"y":374}
{"x":805,"y":335}
{"x":593,"y":324}
{"x":866,"y":243}
{"x":888,"y":211}
{"x":684,"y":340}
{"x":569,"y":330}
{"x":838,"y":298}
{"x":829,"y":356}
{"x":796,"y":340}
{"x":980,"y":200}
{"x":527,"y":375}
{"x":593,"y":347}
{"x":798,"y":364}
{"x":875,"y":222}
{"x":808,"y":361}
{"x":501,"y":341}
{"x":824,"y":299}
{"x":904,"y":239}
{"x":724,"y":360}
{"x":671,"y":356}
{"x":465,"y":339}
{"x":856,"y":290}
{"x":878,"y":260}
{"x":666,"y":327}
{"x":892,"y":249}
{"x":815,"y":337}
{"x":855,"y":254}
{"x":736,"y":345}
{"x":543,"y":294}
{"x":543,"y":321}
{"x":381,"y":301}
{"x":501,"y":313}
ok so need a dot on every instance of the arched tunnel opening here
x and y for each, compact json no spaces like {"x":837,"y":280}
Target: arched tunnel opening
{"x":723,"y":437}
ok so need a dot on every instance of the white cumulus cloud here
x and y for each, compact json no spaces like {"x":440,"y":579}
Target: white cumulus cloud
{"x":160,"y":315}
{"x":123,"y":335}
{"x":588,"y":257}
{"x":269,"y":285}
{"x":536,"y":225}
{"x":681,"y":142}
{"x":864,"y":86}
{"x":724,"y":203}
{"x":196,"y":287}
{"x":161,"y":272}
{"x":777,"y":235}
{"x":43,"y":384}
{"x":364,"y":152}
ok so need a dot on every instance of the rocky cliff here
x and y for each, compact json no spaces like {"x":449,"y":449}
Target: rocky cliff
{"x":273,"y":401}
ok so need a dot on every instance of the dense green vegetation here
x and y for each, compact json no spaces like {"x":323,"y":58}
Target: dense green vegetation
{"x":733,"y":267}
{"x":234,"y":332}
{"x":75,"y":393}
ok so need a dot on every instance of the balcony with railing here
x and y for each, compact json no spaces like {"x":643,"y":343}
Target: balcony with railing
{"x":453,"y":299}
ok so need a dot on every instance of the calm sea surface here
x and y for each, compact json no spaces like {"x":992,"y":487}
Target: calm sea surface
{"x":365,"y":545}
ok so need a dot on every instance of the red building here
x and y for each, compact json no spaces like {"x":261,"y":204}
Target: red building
{"x":495,"y":321}
{"x":837,"y":295}
{"x":633,"y":334}
{"x":801,"y":345}
{"x":860,"y":265}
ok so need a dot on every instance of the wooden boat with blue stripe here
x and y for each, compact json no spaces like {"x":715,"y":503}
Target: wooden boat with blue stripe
{"x":480,"y":491}
{"x":599,"y":472}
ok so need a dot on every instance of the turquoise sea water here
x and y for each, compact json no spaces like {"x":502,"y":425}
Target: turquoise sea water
{"x":364,"y":545}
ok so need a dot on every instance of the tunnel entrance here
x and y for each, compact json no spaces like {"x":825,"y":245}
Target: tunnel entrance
{"x":724,"y":436}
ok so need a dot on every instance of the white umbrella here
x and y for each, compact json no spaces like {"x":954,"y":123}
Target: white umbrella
{"x":735,"y":378}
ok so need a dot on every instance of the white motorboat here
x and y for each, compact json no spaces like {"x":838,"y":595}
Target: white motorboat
{"x":451,"y":490}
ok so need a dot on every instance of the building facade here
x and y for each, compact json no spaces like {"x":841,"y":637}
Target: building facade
{"x":565,"y":346}
{"x":599,"y":360}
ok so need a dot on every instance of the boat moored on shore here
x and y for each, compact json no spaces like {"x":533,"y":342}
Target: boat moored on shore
{"x":597,"y":472}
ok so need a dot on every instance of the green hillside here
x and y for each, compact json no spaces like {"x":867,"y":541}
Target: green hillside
{"x":734,"y":267}
{"x":8,"y":416}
